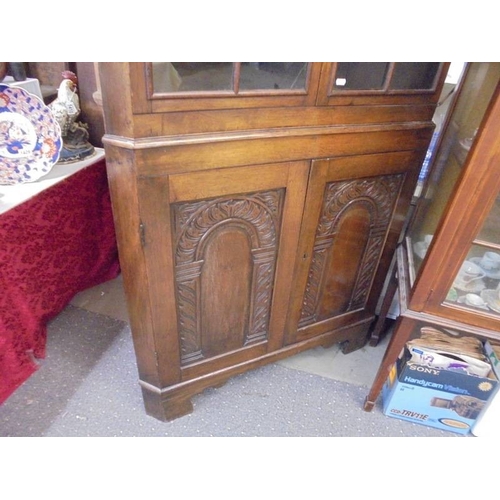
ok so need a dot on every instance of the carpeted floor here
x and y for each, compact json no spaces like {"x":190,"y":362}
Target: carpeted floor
{"x":88,"y":386}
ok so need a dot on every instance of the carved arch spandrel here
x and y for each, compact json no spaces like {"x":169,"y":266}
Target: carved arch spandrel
{"x":377,"y":197}
{"x":258,"y":216}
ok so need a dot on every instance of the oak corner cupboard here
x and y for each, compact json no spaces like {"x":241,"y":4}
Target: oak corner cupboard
{"x":447,"y":267}
{"x":257,"y":207}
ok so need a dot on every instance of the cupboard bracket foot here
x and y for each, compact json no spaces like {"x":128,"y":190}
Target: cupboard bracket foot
{"x":354,"y":344}
{"x":166,"y":408}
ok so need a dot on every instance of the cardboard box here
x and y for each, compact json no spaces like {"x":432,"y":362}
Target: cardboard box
{"x":445,"y":399}
{"x":493,"y":358}
{"x":488,"y":423}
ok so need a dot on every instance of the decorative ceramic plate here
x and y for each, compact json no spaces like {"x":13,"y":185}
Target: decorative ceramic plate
{"x":491,"y":298}
{"x":30,"y":137}
{"x":494,"y":274}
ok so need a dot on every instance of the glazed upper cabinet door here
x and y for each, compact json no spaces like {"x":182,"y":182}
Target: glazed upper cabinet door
{"x":219,"y":85}
{"x":233,"y":238}
{"x":348,"y":216}
{"x":381,"y":82}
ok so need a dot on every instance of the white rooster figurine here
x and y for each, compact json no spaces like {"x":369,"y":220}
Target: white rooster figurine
{"x":66,"y":106}
{"x":66,"y":109}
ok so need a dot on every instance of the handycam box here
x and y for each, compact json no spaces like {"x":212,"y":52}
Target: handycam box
{"x":446,"y":399}
{"x":493,"y":357}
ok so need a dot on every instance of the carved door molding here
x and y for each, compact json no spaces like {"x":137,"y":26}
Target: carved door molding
{"x":349,"y":215}
{"x":257,"y":218}
{"x":372,"y":198}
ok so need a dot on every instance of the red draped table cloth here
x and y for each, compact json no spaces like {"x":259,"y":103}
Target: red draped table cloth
{"x":52,"y":246}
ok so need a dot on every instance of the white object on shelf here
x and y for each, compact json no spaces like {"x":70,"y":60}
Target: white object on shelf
{"x":31,"y":85}
{"x":13,"y":195}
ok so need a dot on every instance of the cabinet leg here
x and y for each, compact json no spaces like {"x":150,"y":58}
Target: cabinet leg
{"x":164,"y":407}
{"x":368,"y":405}
{"x":401,"y":334}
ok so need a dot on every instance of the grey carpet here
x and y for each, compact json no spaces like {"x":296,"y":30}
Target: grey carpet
{"x":87,"y":386}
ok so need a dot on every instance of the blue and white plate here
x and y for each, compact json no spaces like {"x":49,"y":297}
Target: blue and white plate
{"x":30,"y":137}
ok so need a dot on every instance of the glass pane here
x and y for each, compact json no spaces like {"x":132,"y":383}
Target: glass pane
{"x":360,"y":75}
{"x":414,"y":75}
{"x":477,"y":90}
{"x":192,"y":76}
{"x":273,"y":75}
{"x":476,"y":285}
{"x":441,"y":112}
{"x":490,"y":231}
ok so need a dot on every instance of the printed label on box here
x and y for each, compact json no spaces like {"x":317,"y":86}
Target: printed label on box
{"x":447,"y":381}
{"x":443,"y":399}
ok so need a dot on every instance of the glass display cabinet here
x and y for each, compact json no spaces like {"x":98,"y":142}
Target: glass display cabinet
{"x":447,"y":267}
{"x":257,"y":207}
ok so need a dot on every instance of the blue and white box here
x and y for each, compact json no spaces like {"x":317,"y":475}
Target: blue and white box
{"x":445,"y":399}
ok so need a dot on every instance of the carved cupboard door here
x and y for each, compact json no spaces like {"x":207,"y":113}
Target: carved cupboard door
{"x":350,"y":206}
{"x":232,"y":239}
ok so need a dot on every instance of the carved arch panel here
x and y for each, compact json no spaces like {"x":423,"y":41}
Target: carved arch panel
{"x":349,"y":240}
{"x":225,"y":261}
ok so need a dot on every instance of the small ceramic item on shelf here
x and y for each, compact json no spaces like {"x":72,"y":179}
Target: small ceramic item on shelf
{"x":489,"y":263}
{"x":491,"y":298}
{"x":472,"y":287}
{"x":489,"y":273}
{"x":473,"y":300}
{"x":30,"y":137}
{"x":469,"y":278}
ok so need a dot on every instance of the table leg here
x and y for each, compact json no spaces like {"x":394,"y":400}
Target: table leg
{"x":401,"y":334}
